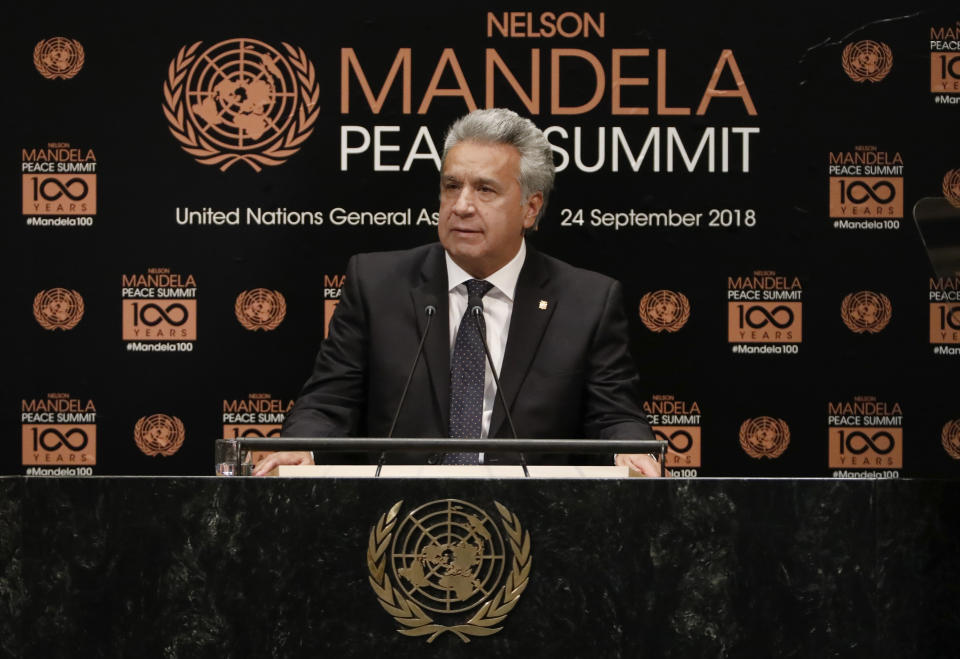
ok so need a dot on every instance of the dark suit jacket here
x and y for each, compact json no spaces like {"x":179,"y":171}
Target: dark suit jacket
{"x":567,"y":371}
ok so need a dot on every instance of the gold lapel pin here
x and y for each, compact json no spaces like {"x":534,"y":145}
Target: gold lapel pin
{"x":543,"y":305}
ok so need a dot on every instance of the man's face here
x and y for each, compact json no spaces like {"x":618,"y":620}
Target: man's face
{"x":482,"y":210}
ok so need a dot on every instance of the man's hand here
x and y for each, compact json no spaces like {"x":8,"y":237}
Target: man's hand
{"x":274,"y":460}
{"x":639,"y":462}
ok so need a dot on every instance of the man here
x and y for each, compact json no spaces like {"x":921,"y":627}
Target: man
{"x":557,"y":334}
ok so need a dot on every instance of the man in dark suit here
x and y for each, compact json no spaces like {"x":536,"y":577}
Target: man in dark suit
{"x":556,"y":333}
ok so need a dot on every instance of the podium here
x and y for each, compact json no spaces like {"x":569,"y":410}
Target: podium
{"x":260,"y":567}
{"x":450,"y":471}
{"x":233,"y":455}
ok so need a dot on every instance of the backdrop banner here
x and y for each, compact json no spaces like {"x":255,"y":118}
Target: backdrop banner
{"x":186,"y":184}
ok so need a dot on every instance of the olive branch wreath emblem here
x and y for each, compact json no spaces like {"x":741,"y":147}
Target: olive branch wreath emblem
{"x":49,"y":72}
{"x":66,"y":324}
{"x":881,"y":49}
{"x":415,"y":620}
{"x":950,"y":437}
{"x":656,"y":324}
{"x":194,"y":143}
{"x":883,"y":311}
{"x":951,"y":187}
{"x":279,"y":310}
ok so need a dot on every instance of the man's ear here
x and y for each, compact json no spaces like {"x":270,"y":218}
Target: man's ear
{"x":531,"y":209}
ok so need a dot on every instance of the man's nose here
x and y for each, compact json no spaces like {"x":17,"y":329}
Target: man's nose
{"x":465,"y":201}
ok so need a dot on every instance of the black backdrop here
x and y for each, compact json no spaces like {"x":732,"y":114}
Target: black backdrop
{"x":807,"y":107}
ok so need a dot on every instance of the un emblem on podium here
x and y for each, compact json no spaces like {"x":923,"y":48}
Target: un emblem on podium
{"x":449,"y":558}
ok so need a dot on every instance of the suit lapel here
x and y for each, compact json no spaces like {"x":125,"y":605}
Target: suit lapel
{"x":436,"y":350}
{"x":533,"y":307}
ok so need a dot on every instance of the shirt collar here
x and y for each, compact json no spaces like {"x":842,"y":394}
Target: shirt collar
{"x":504,"y":279}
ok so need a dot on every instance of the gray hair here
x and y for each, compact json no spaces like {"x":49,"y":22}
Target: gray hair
{"x":502,"y":126}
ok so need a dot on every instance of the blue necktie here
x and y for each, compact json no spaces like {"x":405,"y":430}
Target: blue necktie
{"x":467,"y":374}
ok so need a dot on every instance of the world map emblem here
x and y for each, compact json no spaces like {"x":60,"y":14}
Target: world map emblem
{"x":664,"y":311}
{"x":159,"y":434}
{"x":866,"y":311}
{"x":950,"y":436}
{"x":241,"y":100}
{"x":446,"y":567}
{"x":58,"y":57}
{"x":867,"y":60}
{"x":58,"y":308}
{"x":260,"y":309}
{"x":951,"y":187}
{"x":764,"y":437}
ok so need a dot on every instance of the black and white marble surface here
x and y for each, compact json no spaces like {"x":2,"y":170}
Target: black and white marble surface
{"x":238,"y":567}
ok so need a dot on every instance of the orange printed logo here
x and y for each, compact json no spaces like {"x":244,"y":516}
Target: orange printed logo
{"x":944,"y":299}
{"x":945,"y":323}
{"x":58,"y":57}
{"x":764,"y":437}
{"x":765,"y":308}
{"x":866,"y":196}
{"x":159,"y":306}
{"x":159,"y":434}
{"x":664,"y":311}
{"x":951,"y":438}
{"x":159,"y":320}
{"x":244,"y":431}
{"x":865,"y":448}
{"x":765,"y":322}
{"x":59,"y":444}
{"x":58,"y":308}
{"x":260,"y":309}
{"x":683,"y":444}
{"x":866,"y":311}
{"x":945,"y":73}
{"x":867,"y":60}
{"x":52,"y":194}
{"x":241,"y":100}
{"x":59,"y":431}
{"x":951,"y":187}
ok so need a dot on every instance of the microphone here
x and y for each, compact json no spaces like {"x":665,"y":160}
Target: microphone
{"x":477,"y":314}
{"x":430,"y":311}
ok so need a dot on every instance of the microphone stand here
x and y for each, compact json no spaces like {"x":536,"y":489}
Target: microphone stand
{"x":430,"y":311}
{"x":477,"y":312}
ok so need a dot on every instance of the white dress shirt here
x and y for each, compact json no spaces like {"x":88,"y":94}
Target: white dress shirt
{"x":497,"y":309}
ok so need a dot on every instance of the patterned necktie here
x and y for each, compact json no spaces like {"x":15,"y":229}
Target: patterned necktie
{"x":467,"y":374}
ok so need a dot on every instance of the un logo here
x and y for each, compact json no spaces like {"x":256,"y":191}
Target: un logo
{"x":58,"y":308}
{"x":866,"y":311}
{"x":867,"y":60}
{"x":241,"y":100}
{"x":158,"y":434}
{"x":664,"y":311}
{"x":764,"y":437}
{"x":951,"y":187}
{"x":260,"y":309}
{"x":58,"y":57}
{"x":449,"y":558}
